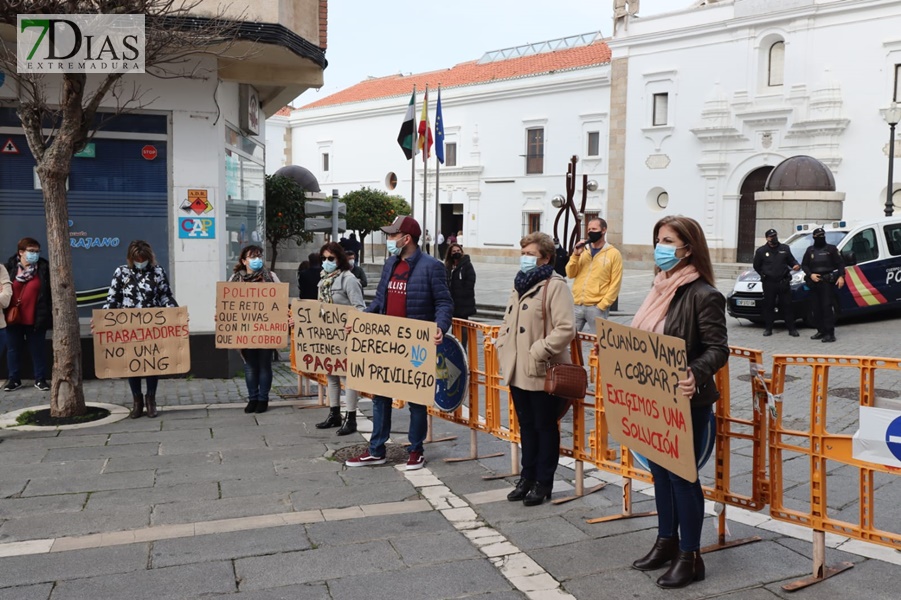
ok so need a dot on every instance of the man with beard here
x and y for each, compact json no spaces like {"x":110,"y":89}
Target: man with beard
{"x":774,"y":263}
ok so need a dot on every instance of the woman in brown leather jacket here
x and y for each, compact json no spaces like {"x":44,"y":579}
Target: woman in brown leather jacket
{"x":684,"y":303}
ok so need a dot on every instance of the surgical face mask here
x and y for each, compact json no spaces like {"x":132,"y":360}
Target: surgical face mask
{"x":255,"y":264}
{"x":665,"y":256}
{"x":329,"y":266}
{"x":595,"y":236}
{"x":141,"y":265}
{"x":32,"y":257}
{"x":527,"y":263}
{"x":351,"y":263}
{"x":393,"y":248}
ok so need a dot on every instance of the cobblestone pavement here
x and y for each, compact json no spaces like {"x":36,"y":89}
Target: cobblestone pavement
{"x":206,"y":501}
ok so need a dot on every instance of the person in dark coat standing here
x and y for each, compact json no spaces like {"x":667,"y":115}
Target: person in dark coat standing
{"x":825,"y":271}
{"x":308,"y":279}
{"x":774,"y":262}
{"x":351,"y":244}
{"x":30,"y":277}
{"x":560,"y":258}
{"x":461,"y":279}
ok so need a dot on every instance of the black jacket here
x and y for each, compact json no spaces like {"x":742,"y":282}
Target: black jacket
{"x":308,"y":282}
{"x":461,"y":280}
{"x":697,"y":314}
{"x":560,"y":260}
{"x":774,"y":264}
{"x":43,"y":312}
{"x":823,"y":261}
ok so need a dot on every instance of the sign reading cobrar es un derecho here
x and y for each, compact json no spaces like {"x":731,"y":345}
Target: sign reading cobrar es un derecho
{"x":80,"y":44}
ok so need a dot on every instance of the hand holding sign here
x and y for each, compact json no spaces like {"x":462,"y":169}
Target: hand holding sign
{"x":251,"y":315}
{"x":137,"y":342}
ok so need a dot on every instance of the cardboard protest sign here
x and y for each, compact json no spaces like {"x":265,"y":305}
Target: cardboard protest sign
{"x":645,"y":410}
{"x":319,"y":338}
{"x":137,"y":342}
{"x":251,"y":315}
{"x":391,"y":356}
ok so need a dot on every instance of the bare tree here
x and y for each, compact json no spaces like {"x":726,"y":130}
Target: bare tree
{"x":175,"y":41}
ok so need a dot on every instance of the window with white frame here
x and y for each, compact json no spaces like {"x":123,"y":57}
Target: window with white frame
{"x":897,"y":94}
{"x":776,"y":64}
{"x":450,"y":154}
{"x":594,"y":143}
{"x":531,"y":222}
{"x":325,"y":162}
{"x":660,"y":109}
{"x":535,"y":151}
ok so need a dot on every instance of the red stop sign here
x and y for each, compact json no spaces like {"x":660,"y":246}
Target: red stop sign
{"x":148,"y":152}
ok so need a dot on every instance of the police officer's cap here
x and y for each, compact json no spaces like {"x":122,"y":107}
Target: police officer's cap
{"x":771,"y":233}
{"x":819,"y":232}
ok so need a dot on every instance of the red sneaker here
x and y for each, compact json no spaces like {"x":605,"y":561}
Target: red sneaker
{"x":365,"y":460}
{"x":416,"y":461}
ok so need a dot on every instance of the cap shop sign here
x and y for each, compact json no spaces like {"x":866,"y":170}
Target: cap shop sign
{"x":80,"y":44}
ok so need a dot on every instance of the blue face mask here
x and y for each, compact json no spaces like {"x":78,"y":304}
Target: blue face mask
{"x":255,"y":264}
{"x":665,"y":256}
{"x":527,"y":263}
{"x":141,"y":265}
{"x":393,"y":248}
{"x":32,"y":257}
{"x":329,"y":266}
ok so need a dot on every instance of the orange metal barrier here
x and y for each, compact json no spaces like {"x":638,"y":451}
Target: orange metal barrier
{"x":820,"y":447}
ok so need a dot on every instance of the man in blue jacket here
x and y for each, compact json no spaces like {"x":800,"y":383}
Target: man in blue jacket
{"x":413,"y":285}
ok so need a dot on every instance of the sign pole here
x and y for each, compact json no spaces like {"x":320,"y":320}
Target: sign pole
{"x":334,"y":215}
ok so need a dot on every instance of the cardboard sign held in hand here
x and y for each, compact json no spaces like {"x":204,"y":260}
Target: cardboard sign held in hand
{"x":319,"y":340}
{"x":137,"y":342}
{"x":251,"y":315}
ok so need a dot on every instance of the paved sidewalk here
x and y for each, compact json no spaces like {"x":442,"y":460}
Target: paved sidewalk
{"x":206,"y":501}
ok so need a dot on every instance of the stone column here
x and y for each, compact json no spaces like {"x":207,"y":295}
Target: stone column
{"x":616,"y":183}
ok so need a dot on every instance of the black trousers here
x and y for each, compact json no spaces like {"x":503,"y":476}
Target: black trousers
{"x":539,"y":433}
{"x":773,"y":292}
{"x":822,"y":299}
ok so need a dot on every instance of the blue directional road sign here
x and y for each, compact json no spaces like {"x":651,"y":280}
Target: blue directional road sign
{"x":893,"y":437}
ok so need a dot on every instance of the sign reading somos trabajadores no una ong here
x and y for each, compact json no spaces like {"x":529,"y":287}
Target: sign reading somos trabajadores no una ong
{"x":137,"y":342}
{"x":320,"y":344}
{"x":645,"y":409}
{"x":251,"y":315}
{"x":392,"y":356}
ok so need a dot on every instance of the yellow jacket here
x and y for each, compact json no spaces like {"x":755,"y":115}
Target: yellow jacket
{"x":597,"y":280}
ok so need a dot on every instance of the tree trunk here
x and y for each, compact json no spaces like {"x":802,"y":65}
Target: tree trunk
{"x":362,"y":247}
{"x":274,"y":246}
{"x":67,"y":391}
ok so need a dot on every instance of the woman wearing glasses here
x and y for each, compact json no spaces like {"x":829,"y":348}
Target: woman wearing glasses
{"x":257,"y":361}
{"x":338,"y":285}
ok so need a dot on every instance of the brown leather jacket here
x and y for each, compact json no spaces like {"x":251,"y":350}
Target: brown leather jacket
{"x":697,"y":314}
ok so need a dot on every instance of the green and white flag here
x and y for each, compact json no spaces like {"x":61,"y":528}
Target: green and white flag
{"x":407,"y":136}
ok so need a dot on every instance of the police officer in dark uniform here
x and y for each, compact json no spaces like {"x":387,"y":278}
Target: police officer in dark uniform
{"x":825,"y":270}
{"x":774,"y":263}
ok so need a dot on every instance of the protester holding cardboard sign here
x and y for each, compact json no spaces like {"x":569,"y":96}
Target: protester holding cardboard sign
{"x":539,"y":326}
{"x":140,"y":283}
{"x":257,"y":361}
{"x":339,"y":285}
{"x":684,"y":303}
{"x":413,"y":285}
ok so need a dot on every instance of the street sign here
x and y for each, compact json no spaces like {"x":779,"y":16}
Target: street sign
{"x":320,"y":225}
{"x":323,"y":207}
{"x":149,"y":152}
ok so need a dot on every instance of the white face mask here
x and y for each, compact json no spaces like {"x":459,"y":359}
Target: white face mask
{"x":351,"y":263}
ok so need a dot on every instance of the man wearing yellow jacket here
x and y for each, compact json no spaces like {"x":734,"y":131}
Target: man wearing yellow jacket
{"x":597,"y":268}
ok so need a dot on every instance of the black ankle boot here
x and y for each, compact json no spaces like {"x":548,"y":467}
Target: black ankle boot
{"x":538,"y":493}
{"x":664,"y":550}
{"x":251,"y":407}
{"x":332,"y":420}
{"x":137,"y":406}
{"x":687,"y":567}
{"x":262,"y":406}
{"x":522,"y":488}
{"x":350,"y":423}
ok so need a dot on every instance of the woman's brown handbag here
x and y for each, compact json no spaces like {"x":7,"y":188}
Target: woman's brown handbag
{"x":562,"y":379}
{"x":12,"y":315}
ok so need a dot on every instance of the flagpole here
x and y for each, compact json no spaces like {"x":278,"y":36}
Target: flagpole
{"x":413,"y":161}
{"x":437,"y":178}
{"x":425,"y":164}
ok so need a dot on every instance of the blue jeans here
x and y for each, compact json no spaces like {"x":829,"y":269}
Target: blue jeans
{"x":135,"y":384}
{"x":258,"y":373}
{"x":680,"y":504}
{"x":381,"y":425}
{"x":17,"y":337}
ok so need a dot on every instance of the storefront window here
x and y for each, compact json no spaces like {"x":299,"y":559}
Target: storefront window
{"x":245,"y":221}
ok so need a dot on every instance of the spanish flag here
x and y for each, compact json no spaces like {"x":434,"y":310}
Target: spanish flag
{"x":425,"y":131}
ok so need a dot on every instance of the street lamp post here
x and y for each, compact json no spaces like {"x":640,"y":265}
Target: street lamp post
{"x":892,"y":117}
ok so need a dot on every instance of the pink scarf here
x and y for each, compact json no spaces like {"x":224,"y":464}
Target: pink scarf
{"x":653,"y":310}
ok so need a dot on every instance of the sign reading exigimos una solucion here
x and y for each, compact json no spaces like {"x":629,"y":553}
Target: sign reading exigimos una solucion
{"x":80,"y":43}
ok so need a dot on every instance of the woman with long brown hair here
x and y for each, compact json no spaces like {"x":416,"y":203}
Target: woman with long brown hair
{"x":684,"y":303}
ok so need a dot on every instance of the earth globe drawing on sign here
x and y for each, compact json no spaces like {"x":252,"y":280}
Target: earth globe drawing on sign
{"x":708,"y":441}
{"x":451,"y":375}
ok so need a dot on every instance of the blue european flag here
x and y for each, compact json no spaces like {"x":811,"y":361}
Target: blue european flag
{"x":439,"y":131}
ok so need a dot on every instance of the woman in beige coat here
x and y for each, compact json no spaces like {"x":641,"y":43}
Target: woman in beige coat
{"x":6,"y":294}
{"x":525,"y":346}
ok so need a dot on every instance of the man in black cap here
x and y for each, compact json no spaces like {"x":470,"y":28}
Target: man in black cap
{"x":825,"y":270}
{"x":774,"y":263}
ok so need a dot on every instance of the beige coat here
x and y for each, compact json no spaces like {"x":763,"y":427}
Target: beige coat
{"x":6,"y":294}
{"x":523,"y":351}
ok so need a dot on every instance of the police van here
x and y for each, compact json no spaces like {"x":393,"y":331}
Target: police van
{"x":872,"y":255}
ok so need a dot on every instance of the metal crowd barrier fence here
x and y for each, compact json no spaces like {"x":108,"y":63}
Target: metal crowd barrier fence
{"x":752,"y":422}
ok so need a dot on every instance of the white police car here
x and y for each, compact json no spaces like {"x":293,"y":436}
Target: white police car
{"x":872,"y":255}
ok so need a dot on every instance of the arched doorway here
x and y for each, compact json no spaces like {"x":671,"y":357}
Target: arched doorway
{"x":747,"y":213}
